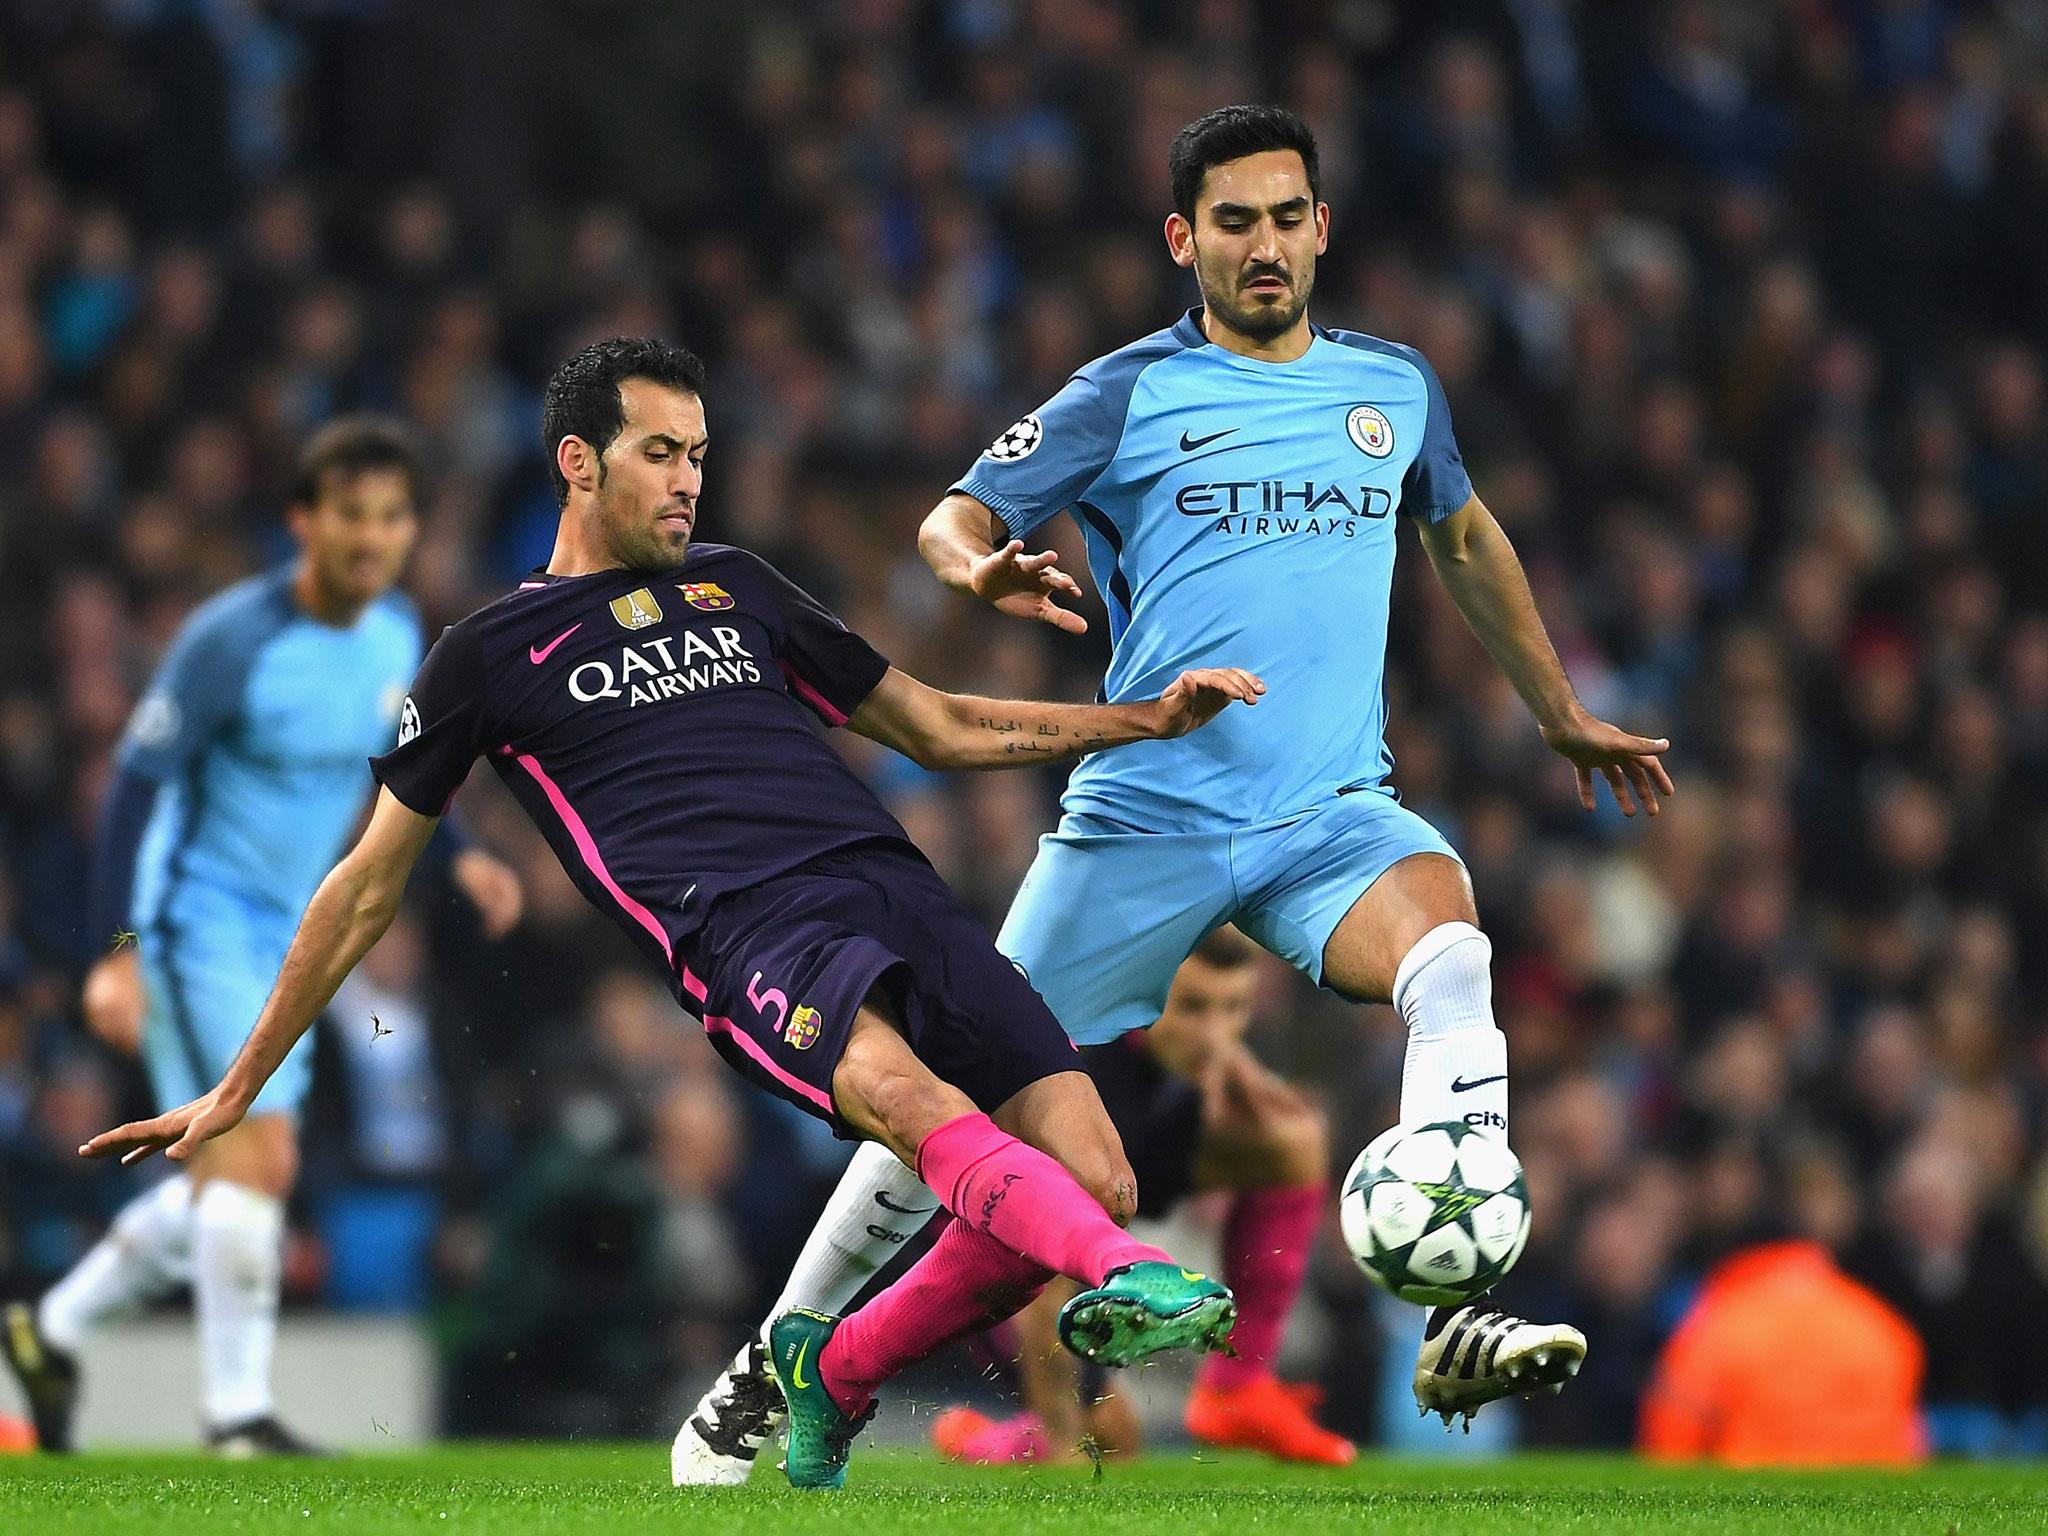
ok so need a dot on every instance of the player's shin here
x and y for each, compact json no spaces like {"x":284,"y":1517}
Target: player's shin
{"x":967,"y":1282}
{"x":1266,"y":1244}
{"x":147,"y":1252}
{"x":1457,"y":1061}
{"x":237,"y":1271}
{"x":878,"y":1206}
{"x":1025,"y":1200}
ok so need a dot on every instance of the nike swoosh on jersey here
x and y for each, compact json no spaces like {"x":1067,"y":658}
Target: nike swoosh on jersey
{"x":1459,"y":1085}
{"x":1190,"y":444}
{"x":540,"y":653}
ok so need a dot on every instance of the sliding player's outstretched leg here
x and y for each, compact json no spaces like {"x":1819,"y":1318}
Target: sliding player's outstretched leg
{"x":1019,"y":1216}
{"x":878,"y":1206}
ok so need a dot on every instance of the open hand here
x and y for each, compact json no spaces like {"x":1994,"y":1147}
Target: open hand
{"x":176,"y":1133}
{"x":1198,"y":696}
{"x":1626,"y":762}
{"x":1023,"y":585}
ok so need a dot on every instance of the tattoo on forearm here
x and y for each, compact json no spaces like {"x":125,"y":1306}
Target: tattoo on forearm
{"x":1048,"y":737}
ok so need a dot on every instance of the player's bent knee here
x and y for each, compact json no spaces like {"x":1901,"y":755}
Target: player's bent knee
{"x":1112,"y":1184}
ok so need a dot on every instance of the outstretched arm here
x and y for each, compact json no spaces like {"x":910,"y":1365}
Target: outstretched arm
{"x":349,"y":913}
{"x":1477,"y":565}
{"x":956,"y":730}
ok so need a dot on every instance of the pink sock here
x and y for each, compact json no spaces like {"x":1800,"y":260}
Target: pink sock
{"x":967,"y":1282}
{"x":1024,"y":1200}
{"x":1266,"y":1243}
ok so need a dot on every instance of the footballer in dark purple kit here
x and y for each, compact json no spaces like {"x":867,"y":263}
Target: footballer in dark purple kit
{"x":650,"y":702}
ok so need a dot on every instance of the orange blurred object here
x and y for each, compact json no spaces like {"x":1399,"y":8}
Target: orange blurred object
{"x":1784,"y":1360}
{"x":16,"y":1437}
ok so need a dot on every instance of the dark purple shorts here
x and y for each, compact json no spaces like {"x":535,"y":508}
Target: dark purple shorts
{"x":779,"y":970}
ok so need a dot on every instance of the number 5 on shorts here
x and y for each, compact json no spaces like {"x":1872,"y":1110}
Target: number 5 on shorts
{"x":774,"y":999}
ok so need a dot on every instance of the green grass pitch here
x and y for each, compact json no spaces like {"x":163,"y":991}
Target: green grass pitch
{"x":613,"y":1490}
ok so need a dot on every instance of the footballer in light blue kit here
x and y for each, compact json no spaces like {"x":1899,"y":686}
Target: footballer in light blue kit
{"x":1239,"y":478}
{"x":243,"y":773}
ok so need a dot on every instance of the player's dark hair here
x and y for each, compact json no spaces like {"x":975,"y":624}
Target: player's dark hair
{"x":1231,"y":133}
{"x":1226,"y":949}
{"x":583,"y":396}
{"x":347,"y":446}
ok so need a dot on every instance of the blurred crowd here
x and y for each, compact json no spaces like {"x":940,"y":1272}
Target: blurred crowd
{"x":1742,"y":311}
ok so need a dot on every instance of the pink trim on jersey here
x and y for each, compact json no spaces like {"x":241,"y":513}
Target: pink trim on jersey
{"x":694,"y":985}
{"x":528,"y":586}
{"x":586,"y":845}
{"x":824,"y":706}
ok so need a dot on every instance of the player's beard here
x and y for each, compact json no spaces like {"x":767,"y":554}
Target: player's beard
{"x":635,"y":540}
{"x":1223,"y":294}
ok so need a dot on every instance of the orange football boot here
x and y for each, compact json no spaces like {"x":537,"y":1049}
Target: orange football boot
{"x":1264,"y":1415}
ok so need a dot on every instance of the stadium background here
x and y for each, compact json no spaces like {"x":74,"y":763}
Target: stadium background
{"x":1740,"y":308}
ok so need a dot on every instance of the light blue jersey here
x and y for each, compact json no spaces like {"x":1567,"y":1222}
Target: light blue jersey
{"x":243,"y":773}
{"x":1237,"y":513}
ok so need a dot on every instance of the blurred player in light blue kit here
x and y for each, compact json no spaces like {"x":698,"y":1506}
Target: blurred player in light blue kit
{"x":1239,"y":478}
{"x":243,"y":772}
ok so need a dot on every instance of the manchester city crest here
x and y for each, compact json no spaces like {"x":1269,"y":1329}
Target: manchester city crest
{"x":1371,"y":433}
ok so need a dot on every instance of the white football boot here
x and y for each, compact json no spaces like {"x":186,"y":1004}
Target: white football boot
{"x":1475,"y":1353}
{"x":723,"y":1434}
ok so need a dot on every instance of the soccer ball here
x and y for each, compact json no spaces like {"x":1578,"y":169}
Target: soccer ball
{"x":1435,"y":1213}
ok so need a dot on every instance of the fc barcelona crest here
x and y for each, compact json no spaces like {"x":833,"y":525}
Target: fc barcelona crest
{"x":708,"y":595}
{"x":802,"y":1033}
{"x":637,"y":609}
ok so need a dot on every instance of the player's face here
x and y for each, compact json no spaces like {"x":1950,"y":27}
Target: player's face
{"x":1254,"y":242}
{"x":650,"y":476}
{"x":1207,"y":1008}
{"x":358,"y":533}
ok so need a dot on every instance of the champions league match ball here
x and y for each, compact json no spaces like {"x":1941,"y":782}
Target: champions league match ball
{"x":1435,"y":1213}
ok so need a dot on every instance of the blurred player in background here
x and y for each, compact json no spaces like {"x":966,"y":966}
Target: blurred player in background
{"x":1237,"y":479}
{"x":238,"y":782}
{"x":649,"y":702}
{"x":1197,"y":1112}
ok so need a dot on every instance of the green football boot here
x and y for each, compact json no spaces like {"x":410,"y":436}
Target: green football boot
{"x":820,"y":1436}
{"x":1144,"y":1308}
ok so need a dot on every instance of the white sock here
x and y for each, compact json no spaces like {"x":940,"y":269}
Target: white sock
{"x":877,"y":1208}
{"x":1457,"y":1062}
{"x":146,"y":1252}
{"x":237,"y":1269}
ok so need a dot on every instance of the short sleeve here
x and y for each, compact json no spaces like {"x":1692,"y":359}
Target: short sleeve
{"x":440,"y":727}
{"x":830,"y":668}
{"x":1036,"y":469}
{"x":1436,"y":484}
{"x":196,"y":692}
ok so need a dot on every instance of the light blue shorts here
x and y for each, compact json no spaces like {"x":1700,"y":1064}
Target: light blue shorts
{"x":1105,"y":916}
{"x":207,"y":969}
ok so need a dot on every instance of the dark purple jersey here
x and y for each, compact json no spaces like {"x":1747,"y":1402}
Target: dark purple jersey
{"x":656,"y":728}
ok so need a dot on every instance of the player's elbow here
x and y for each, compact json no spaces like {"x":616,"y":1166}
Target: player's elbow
{"x":941,"y":751}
